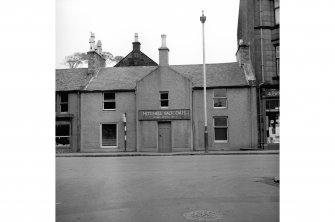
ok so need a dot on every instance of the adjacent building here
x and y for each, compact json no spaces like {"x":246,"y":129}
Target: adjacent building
{"x":155,"y":108}
{"x":258,"y":39}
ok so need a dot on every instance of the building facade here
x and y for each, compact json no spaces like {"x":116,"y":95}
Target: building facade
{"x":158,"y":108}
{"x":258,"y":39}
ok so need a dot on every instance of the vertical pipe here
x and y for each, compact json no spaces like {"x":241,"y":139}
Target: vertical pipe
{"x":261,"y":122}
{"x":78,"y":121}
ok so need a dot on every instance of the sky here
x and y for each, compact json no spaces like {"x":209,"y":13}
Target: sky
{"x":116,"y":22}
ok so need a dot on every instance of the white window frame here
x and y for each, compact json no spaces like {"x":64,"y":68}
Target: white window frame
{"x":276,"y":12}
{"x":224,"y":107}
{"x":64,"y":123}
{"x":61,"y":103}
{"x":160,"y":99}
{"x":108,"y":100}
{"x":117,"y":133}
{"x":277,"y":51}
{"x":227,"y":127}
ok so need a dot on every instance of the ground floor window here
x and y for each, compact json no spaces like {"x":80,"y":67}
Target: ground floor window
{"x":220,"y":129}
{"x":109,"y":135}
{"x":63,"y":134}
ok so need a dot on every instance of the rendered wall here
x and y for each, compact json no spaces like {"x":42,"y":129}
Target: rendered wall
{"x":93,"y":115}
{"x":72,"y":110}
{"x":242,"y":128}
{"x":148,"y":98}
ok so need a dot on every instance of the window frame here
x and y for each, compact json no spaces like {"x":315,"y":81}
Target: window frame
{"x":221,"y":127}
{"x":117,"y":133}
{"x":63,"y":103}
{"x":161,"y":100}
{"x":276,"y":11}
{"x":224,"y":107}
{"x":277,"y":55}
{"x":70,"y":134}
{"x":108,"y":100}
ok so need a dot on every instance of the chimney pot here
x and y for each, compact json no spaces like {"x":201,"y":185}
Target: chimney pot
{"x":163,"y":52}
{"x":163,"y":41}
{"x":136,"y":43}
{"x":92,"y":42}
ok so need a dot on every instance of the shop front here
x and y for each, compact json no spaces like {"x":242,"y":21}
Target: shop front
{"x":169,"y":130}
{"x":272,"y":118}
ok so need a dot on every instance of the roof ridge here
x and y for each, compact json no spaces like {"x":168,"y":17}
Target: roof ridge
{"x":217,"y":63}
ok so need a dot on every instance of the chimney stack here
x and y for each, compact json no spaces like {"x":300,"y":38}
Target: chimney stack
{"x":136,"y":43}
{"x":99,"y":47}
{"x":163,"y":53}
{"x":95,"y":58}
{"x":243,"y":53}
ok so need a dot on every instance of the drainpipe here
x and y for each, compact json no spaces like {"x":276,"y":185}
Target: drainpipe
{"x":78,"y":121}
{"x":261,"y":122}
{"x":261,"y":29}
{"x":261,"y":115}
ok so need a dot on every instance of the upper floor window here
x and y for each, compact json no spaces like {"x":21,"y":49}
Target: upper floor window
{"x":276,"y":8}
{"x":109,"y":101}
{"x":220,"y":98}
{"x":64,"y":102}
{"x":164,"y":98}
{"x":277,"y":60}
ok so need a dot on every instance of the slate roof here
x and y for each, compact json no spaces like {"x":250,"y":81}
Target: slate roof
{"x":118,"y":78}
{"x":71,"y":79}
{"x":124,"y":78}
{"x":218,"y":74}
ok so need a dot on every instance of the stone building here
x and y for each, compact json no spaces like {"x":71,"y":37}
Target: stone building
{"x":156,"y":108}
{"x":136,"y":57}
{"x":258,"y":48}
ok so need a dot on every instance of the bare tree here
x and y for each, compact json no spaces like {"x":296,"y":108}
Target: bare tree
{"x":74,"y":60}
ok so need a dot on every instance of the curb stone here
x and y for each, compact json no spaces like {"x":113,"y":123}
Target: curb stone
{"x":125,"y":154}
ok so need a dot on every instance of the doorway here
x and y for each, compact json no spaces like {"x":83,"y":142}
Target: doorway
{"x":164,"y":137}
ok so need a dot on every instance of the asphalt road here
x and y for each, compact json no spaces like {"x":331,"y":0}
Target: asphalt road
{"x":167,"y":188}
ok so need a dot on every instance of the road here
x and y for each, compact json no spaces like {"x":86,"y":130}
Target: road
{"x":166,"y":188}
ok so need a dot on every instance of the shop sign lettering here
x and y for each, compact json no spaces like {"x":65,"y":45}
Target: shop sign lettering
{"x":164,"y":114}
{"x":271,"y":92}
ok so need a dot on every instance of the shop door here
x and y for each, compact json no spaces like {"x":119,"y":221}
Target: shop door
{"x":164,"y":137}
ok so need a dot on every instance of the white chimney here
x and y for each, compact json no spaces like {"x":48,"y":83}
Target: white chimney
{"x":136,"y":37}
{"x":163,"y":52}
{"x":92,"y":42}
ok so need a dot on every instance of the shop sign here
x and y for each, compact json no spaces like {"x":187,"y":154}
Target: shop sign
{"x":171,"y":114}
{"x":271,"y":92}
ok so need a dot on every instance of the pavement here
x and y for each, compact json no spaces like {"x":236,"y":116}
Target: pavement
{"x":124,"y":154}
{"x":178,"y":188}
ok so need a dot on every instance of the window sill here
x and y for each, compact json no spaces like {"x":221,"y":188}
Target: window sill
{"x":109,"y":109}
{"x":164,"y":107}
{"x":220,"y":141}
{"x":108,"y":147}
{"x":220,"y":107}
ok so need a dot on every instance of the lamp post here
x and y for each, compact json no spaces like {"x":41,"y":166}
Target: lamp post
{"x":203,"y":19}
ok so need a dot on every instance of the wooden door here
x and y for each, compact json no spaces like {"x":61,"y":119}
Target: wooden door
{"x":164,"y":137}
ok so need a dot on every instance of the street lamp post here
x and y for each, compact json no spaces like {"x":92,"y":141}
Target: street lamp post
{"x":203,"y":19}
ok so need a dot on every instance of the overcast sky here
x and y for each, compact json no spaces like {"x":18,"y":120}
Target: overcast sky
{"x":115,"y":22}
